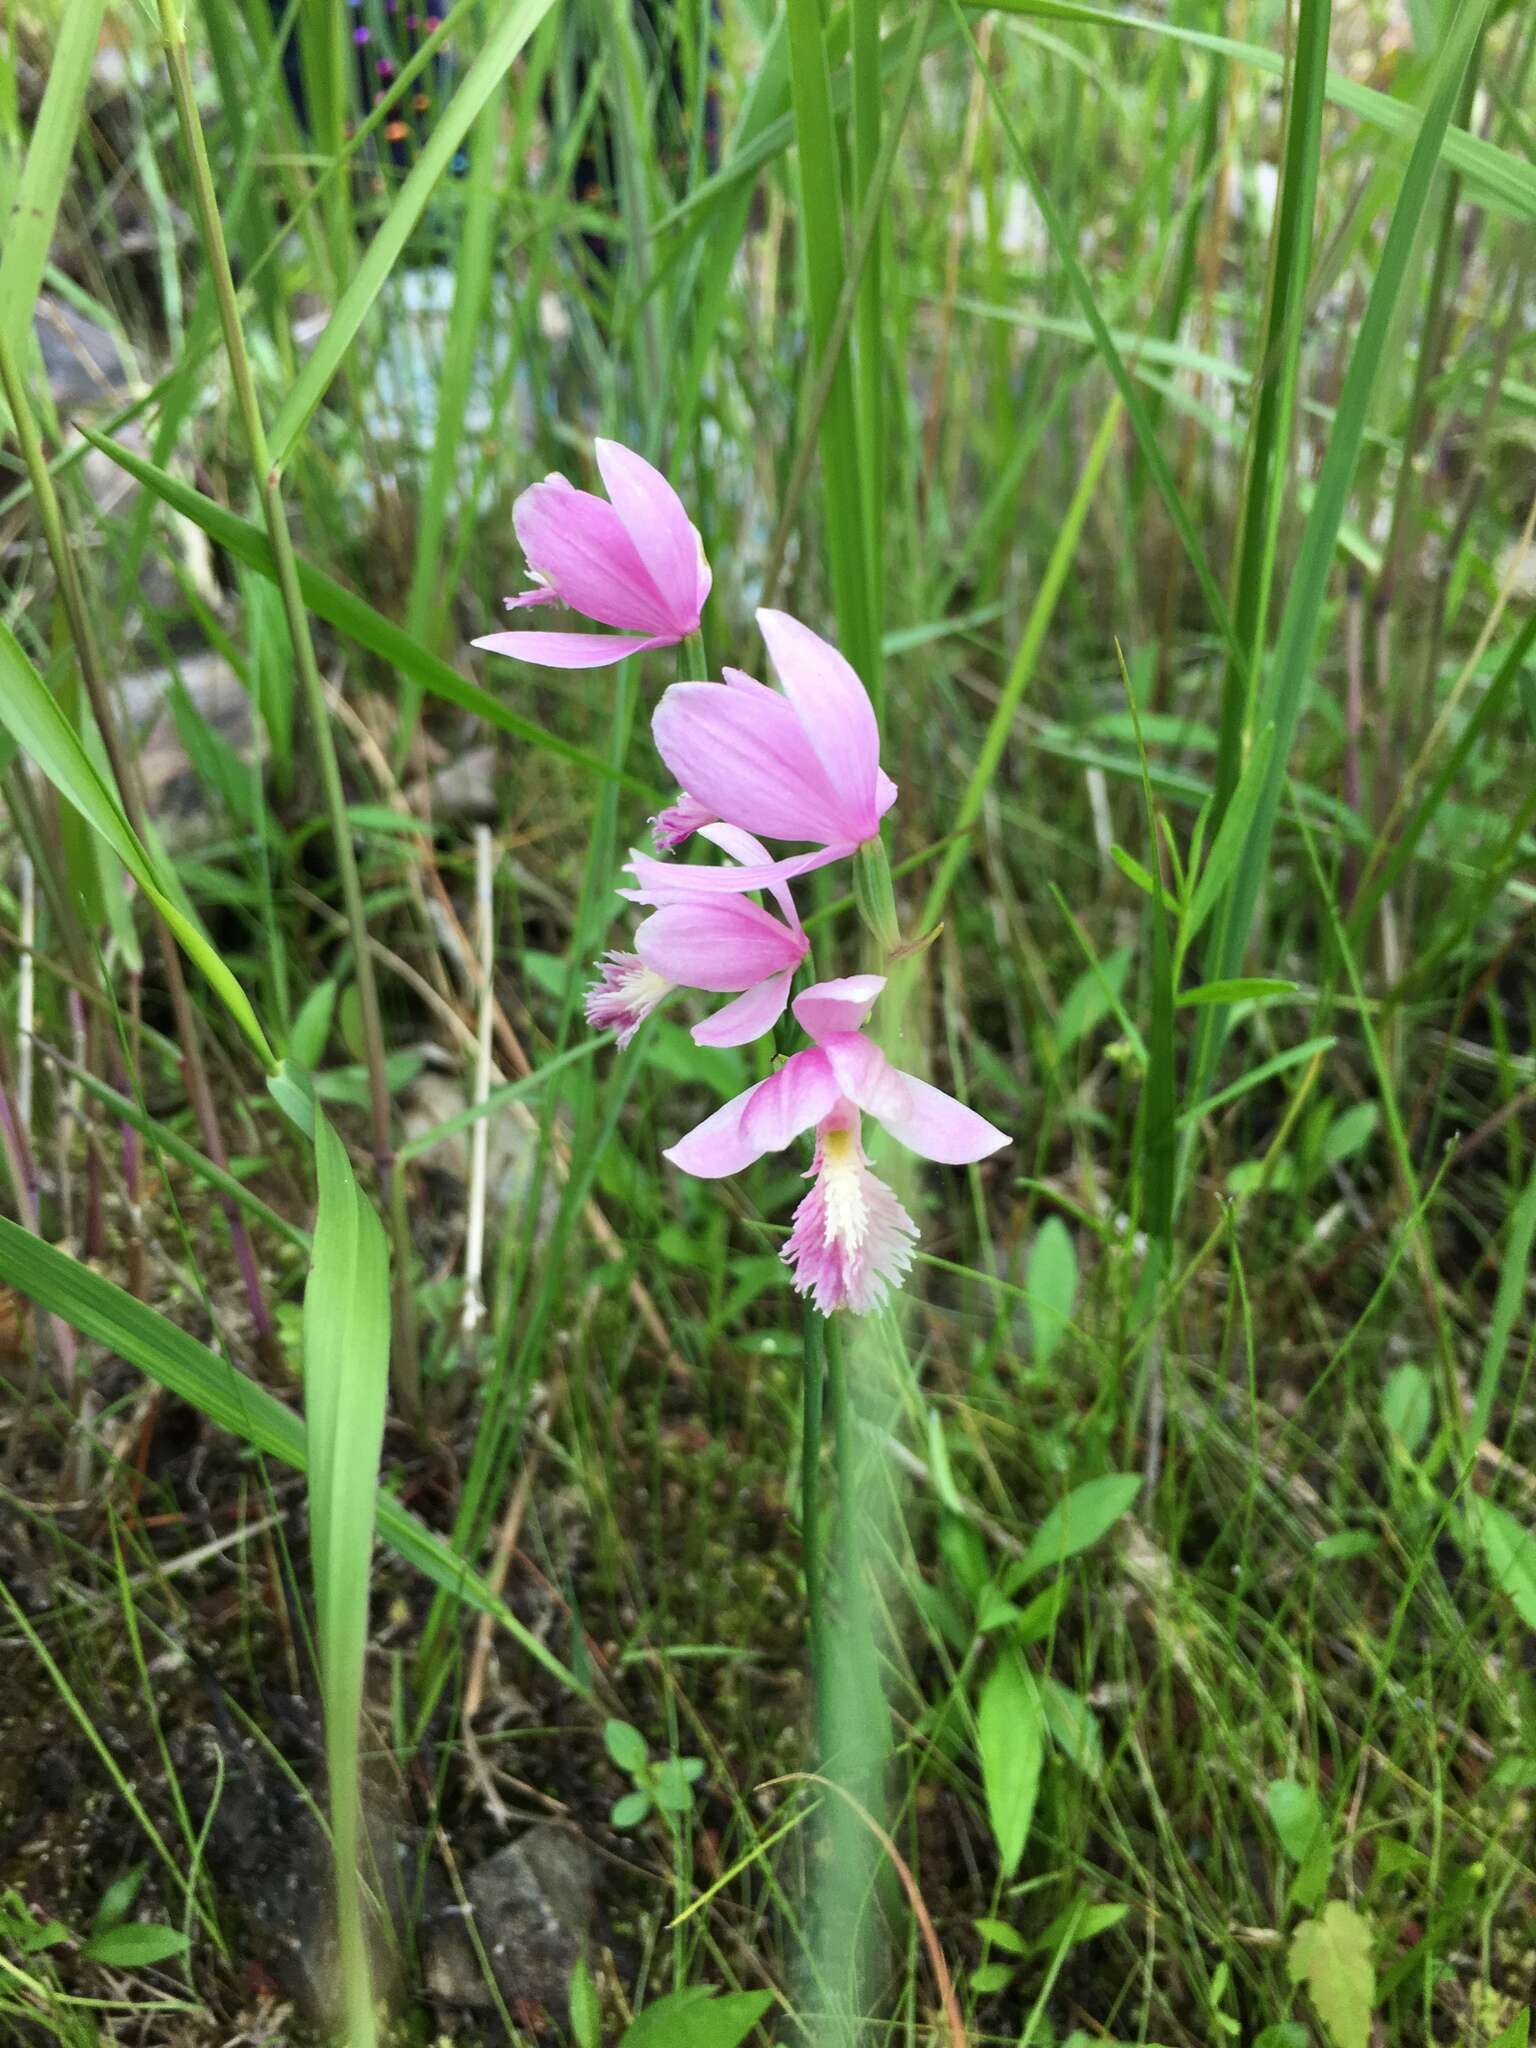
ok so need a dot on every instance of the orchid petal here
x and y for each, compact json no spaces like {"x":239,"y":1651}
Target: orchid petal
{"x":570,"y":650}
{"x":751,"y":853}
{"x":720,"y":943}
{"x":749,"y":1016}
{"x":935,"y":1126}
{"x":835,"y":713}
{"x":829,"y":1006}
{"x":866,"y":1076}
{"x":717,"y":1147}
{"x":746,"y":757}
{"x":579,"y":545}
{"x":659,"y":529}
{"x":793,"y":1100}
{"x":660,"y":881}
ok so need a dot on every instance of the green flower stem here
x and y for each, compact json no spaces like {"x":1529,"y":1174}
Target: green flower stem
{"x":810,"y":1508}
{"x":405,"y":1370}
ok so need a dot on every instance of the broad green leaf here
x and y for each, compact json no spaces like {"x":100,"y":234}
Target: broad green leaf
{"x":1297,"y":1816}
{"x":684,"y":2020}
{"x":1332,"y":1957}
{"x":505,"y":36}
{"x":1408,"y":1406}
{"x":1010,"y":1736}
{"x":629,"y":1811}
{"x":1087,"y":1513}
{"x":1517,"y":2033}
{"x":173,"y":1359}
{"x":32,"y":714}
{"x":1510,"y":1549}
{"x":989,"y":1977}
{"x":1050,"y":1281}
{"x":134,"y":1945}
{"x":1077,"y":1924}
{"x":117,"y":1900}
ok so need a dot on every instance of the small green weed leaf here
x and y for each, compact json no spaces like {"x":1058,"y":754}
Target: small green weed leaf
{"x":1517,"y":2034}
{"x":962,"y":1548}
{"x":1242,"y":988}
{"x":1283,"y":2034}
{"x":1010,"y":1732}
{"x":586,"y":2009}
{"x":1051,"y":1283}
{"x":673,"y":1784}
{"x":683,"y":2019}
{"x":1297,"y":1816}
{"x":34,"y":1939}
{"x":1351,"y":1132}
{"x":134,"y":1945}
{"x":1227,"y":846}
{"x":1002,"y":1936}
{"x":629,"y":1811}
{"x":1039,"y":1618}
{"x":989,"y":1977}
{"x":1074,"y":1727}
{"x":1344,"y":1544}
{"x":994,"y":1610}
{"x":1088,"y":1001}
{"x":1310,"y":1884}
{"x":627,"y":1747}
{"x":312,"y":1026}
{"x":1332,"y":1957}
{"x":1077,"y":1924}
{"x":1517,"y":1773}
{"x":1088,"y":1512}
{"x":1511,"y":1552}
{"x":1132,"y":870}
{"x":939,"y":1467}
{"x":1393,"y":1858}
{"x":1407,"y":1406}
{"x":117,"y":1900}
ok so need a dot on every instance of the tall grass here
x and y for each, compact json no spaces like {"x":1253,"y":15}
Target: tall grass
{"x":1142,"y":401}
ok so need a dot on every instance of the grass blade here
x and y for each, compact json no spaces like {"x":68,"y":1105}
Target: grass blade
{"x":349,"y":614}
{"x":346,"y":1374}
{"x":35,"y":207}
{"x":32,"y":715}
{"x":1302,"y":619}
{"x":175,"y":1360}
{"x":482,"y":79}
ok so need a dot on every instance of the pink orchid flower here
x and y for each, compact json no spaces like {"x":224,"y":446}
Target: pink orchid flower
{"x":634,"y":561}
{"x":721,"y":944}
{"x":804,"y":764}
{"x":852,"y":1240}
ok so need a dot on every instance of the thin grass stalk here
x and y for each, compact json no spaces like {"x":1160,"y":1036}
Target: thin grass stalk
{"x":404,"y":1365}
{"x":870,"y":336}
{"x":1301,"y":623}
{"x":831,"y":360}
{"x":1277,"y":376}
{"x":813,"y":1392}
{"x":824,"y":257}
{"x":125,"y":775}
